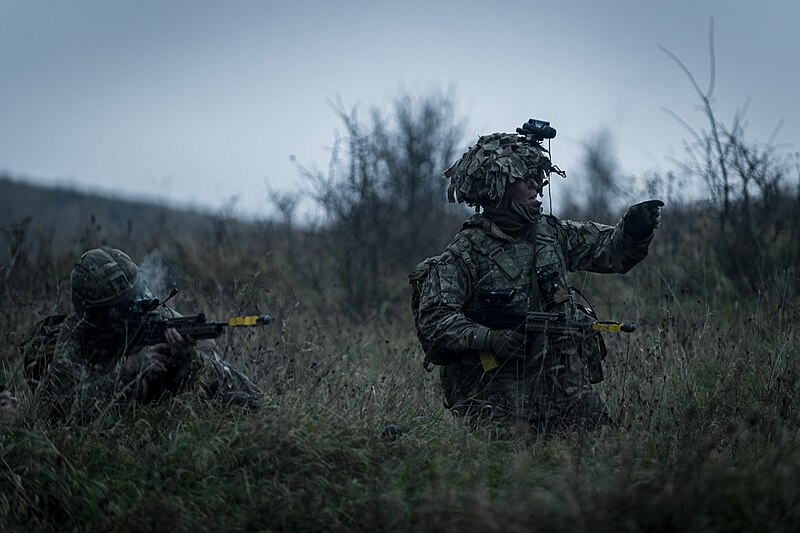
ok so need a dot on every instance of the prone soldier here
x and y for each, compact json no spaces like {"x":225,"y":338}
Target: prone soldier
{"x":77,"y":370}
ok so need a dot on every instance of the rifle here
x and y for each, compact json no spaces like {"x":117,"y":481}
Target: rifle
{"x":136,"y":330}
{"x":538,"y":322}
{"x":543,"y":322}
{"x":197,"y":326}
{"x":496,"y":311}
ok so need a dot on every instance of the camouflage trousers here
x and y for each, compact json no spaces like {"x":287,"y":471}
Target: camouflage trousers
{"x":540,"y":394}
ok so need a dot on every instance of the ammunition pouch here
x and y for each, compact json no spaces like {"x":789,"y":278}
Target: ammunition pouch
{"x":593,"y":349}
{"x":497,"y":309}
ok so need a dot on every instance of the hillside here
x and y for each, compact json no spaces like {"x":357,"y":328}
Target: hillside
{"x":64,"y":211}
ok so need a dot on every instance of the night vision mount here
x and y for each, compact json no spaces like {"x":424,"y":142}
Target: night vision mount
{"x":538,"y":129}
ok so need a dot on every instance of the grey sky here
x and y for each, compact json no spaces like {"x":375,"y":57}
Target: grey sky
{"x":199,"y":101}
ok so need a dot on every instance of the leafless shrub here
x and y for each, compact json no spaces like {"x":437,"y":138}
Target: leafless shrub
{"x":382,"y":195}
{"x":748,"y":185}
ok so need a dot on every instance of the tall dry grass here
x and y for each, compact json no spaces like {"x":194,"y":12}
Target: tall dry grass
{"x":704,"y":394}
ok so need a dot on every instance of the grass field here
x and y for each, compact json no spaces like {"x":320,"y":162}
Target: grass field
{"x":704,"y":394}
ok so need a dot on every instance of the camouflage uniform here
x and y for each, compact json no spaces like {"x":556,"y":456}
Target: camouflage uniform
{"x":76,"y":384}
{"x":548,"y":386}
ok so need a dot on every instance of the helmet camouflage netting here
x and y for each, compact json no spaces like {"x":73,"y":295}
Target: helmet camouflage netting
{"x":481,"y":175}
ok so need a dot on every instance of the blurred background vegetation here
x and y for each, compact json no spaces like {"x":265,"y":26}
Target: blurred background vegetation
{"x":705,"y":392}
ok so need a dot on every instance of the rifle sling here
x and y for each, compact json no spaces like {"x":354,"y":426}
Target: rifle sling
{"x":533,"y":292}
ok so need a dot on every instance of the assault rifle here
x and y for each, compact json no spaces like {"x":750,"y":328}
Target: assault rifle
{"x":538,"y":322}
{"x":140,"y":324}
{"x":138,"y":331}
{"x":495,"y":310}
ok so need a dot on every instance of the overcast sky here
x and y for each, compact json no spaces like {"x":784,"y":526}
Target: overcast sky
{"x":199,"y":102}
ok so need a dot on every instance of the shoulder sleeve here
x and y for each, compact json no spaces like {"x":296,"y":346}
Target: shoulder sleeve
{"x":72,"y":390}
{"x":443,"y":329}
{"x":57,"y":393}
{"x":599,"y":248}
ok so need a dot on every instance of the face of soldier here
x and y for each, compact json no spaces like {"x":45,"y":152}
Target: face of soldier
{"x":525,"y":191}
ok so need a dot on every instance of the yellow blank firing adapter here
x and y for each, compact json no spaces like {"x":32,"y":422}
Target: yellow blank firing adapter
{"x":237,"y":321}
{"x":613,"y":327}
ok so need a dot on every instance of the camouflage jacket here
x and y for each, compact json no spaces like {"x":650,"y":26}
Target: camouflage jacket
{"x":482,"y":259}
{"x":72,"y":385}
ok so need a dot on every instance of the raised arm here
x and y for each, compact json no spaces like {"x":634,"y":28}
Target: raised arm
{"x":600,"y":248}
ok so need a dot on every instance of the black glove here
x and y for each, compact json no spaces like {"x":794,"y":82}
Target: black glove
{"x":502,"y":342}
{"x":641,"y":219}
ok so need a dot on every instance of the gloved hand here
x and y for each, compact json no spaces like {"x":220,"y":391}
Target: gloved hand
{"x":502,"y":343}
{"x":641,"y":219}
{"x":148,"y":363}
{"x":157,"y":360}
{"x":181,"y":349}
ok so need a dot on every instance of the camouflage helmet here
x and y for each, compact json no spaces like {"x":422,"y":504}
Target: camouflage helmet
{"x":481,"y":175}
{"x":102,"y":278}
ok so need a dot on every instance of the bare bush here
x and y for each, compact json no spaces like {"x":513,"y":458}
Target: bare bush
{"x":749,"y":189}
{"x":383,"y":195}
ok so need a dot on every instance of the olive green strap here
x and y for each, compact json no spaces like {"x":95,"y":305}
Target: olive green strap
{"x":533,"y":292}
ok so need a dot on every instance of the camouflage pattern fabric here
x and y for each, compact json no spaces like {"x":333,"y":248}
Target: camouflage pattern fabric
{"x":76,"y":387}
{"x":549,"y":388}
{"x":482,"y":173}
{"x":103,"y":277}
